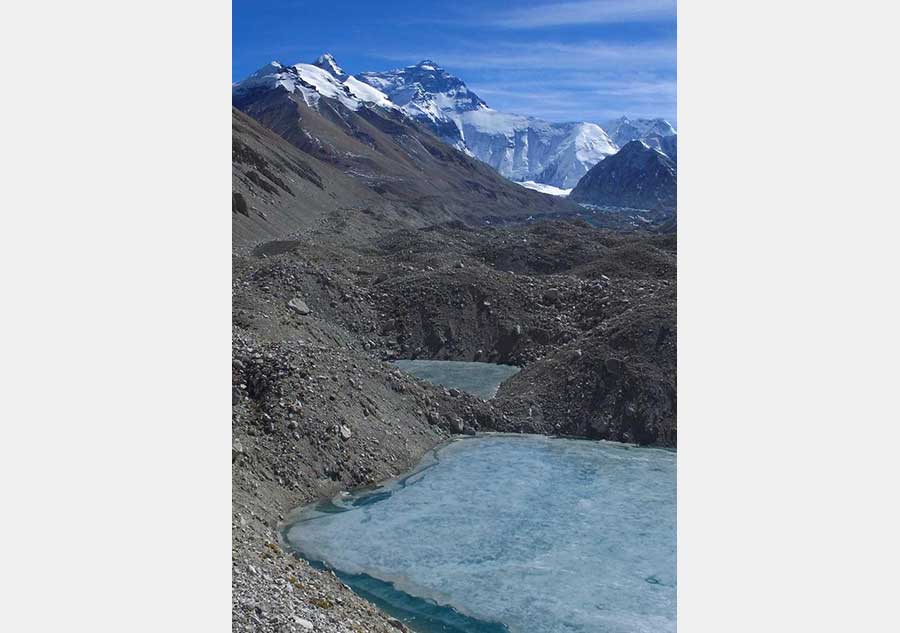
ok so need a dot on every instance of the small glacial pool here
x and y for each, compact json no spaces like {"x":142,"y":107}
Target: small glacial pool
{"x":478,"y":379}
{"x":510,"y":533}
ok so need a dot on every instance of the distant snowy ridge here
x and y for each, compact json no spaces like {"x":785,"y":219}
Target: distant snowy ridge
{"x":520,"y":148}
{"x":657,"y":133}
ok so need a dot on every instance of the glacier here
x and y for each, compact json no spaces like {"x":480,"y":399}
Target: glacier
{"x":525,"y":148}
{"x":530,"y":533}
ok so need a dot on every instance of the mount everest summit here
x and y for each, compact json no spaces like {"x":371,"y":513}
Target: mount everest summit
{"x":521,"y":148}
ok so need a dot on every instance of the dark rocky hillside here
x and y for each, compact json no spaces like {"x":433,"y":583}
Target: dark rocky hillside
{"x":637,"y":177}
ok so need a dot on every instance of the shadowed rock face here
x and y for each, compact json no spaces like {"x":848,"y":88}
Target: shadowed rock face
{"x":638,"y":177}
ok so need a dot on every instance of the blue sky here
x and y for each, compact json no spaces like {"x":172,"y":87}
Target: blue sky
{"x":587,"y":60}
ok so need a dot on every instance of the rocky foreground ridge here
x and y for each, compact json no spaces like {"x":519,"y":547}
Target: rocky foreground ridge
{"x":589,"y":314}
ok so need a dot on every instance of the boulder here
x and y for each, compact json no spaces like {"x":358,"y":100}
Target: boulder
{"x":237,"y":449}
{"x":297,"y":305}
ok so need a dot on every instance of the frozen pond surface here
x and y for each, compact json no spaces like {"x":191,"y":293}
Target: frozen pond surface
{"x":521,"y":533}
{"x":479,"y":379}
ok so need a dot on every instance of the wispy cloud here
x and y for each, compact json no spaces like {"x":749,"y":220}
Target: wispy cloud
{"x":585,"y":12}
{"x":594,"y":56}
{"x":532,"y":57}
{"x":651,"y":89}
{"x":597,"y":101}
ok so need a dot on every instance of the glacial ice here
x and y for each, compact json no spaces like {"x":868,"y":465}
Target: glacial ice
{"x":540,"y":534}
{"x":548,"y":189}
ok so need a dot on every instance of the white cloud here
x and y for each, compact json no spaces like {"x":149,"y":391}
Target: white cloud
{"x":597,"y":105}
{"x":585,"y":12}
{"x":590,"y":55}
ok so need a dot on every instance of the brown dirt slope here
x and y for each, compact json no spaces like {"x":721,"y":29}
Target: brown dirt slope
{"x":407,"y":167}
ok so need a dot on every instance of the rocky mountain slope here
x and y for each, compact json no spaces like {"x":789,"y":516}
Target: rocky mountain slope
{"x":638,"y":177}
{"x":351,"y":127}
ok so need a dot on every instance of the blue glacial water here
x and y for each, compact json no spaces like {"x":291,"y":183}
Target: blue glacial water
{"x":510,"y":533}
{"x":479,"y":379}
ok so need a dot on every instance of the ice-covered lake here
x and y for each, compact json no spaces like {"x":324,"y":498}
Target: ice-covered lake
{"x":519,"y":533}
{"x":480,"y":379}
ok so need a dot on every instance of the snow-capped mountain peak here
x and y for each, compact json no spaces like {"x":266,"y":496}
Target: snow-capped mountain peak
{"x":427,"y":64}
{"x":425,"y":90}
{"x":312,"y":82}
{"x":519,"y":147}
{"x":327,"y":62}
{"x":430,"y":95}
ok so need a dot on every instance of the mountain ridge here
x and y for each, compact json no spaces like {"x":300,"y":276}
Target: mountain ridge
{"x":519,"y":147}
